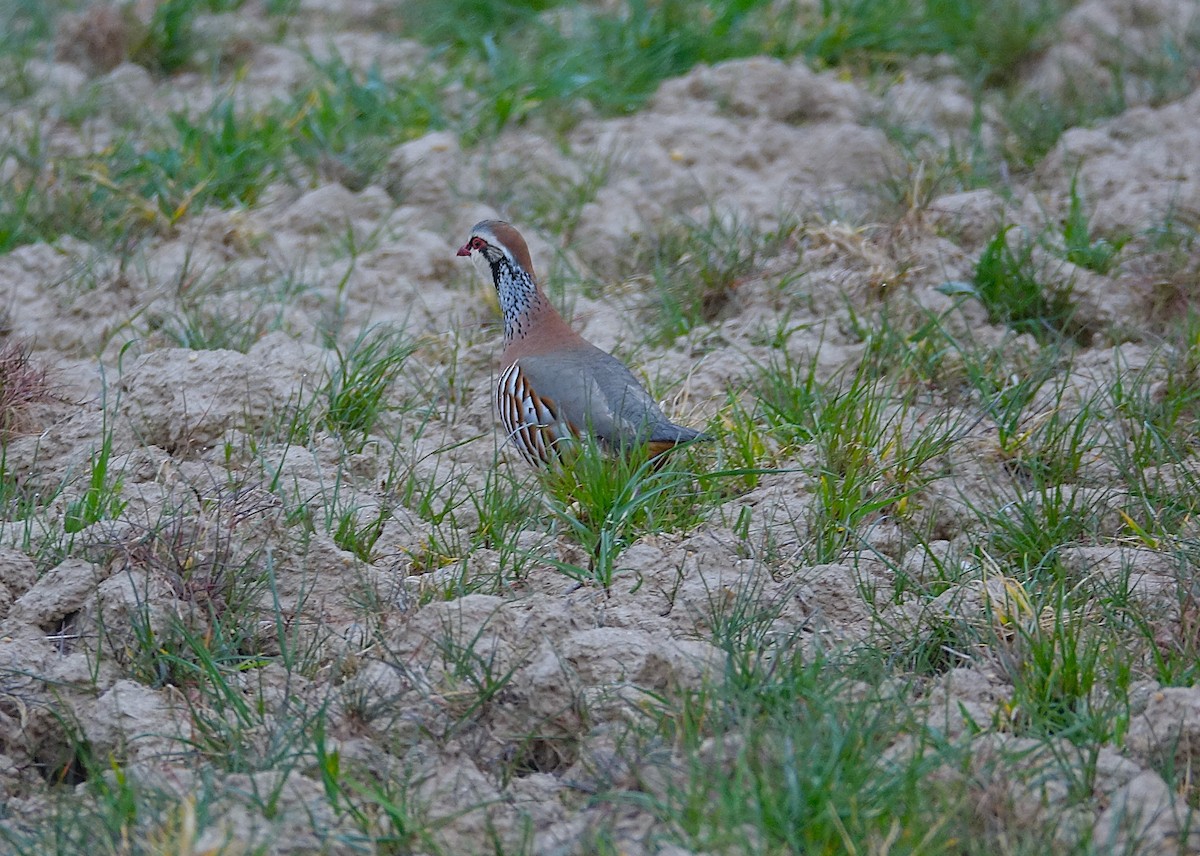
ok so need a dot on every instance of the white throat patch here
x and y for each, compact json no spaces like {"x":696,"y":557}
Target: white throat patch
{"x":480,"y":262}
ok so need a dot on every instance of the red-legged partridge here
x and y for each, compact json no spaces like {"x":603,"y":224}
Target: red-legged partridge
{"x":554,"y":384}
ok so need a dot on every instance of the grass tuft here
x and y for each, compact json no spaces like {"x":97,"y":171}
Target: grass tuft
{"x":780,"y":754}
{"x":695,"y":268}
{"x":1010,"y":288}
{"x":1082,"y":247}
{"x":23,"y":384}
{"x":605,"y":502}
{"x":356,"y":392}
{"x":102,"y":498}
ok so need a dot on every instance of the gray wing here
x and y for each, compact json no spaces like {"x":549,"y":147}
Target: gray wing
{"x":596,"y":394}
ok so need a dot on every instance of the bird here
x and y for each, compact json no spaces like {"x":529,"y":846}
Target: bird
{"x":555,"y":386}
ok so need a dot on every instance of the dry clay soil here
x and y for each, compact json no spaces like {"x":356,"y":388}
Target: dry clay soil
{"x":755,"y":139}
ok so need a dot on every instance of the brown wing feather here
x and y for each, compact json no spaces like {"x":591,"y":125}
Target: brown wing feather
{"x":530,"y":421}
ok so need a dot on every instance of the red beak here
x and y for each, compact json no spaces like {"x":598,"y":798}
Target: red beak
{"x":464,"y":250}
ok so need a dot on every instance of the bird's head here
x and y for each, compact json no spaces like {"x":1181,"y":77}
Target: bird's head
{"x":496,"y":243}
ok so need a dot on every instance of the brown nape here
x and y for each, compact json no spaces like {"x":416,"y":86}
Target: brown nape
{"x":512,"y":239}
